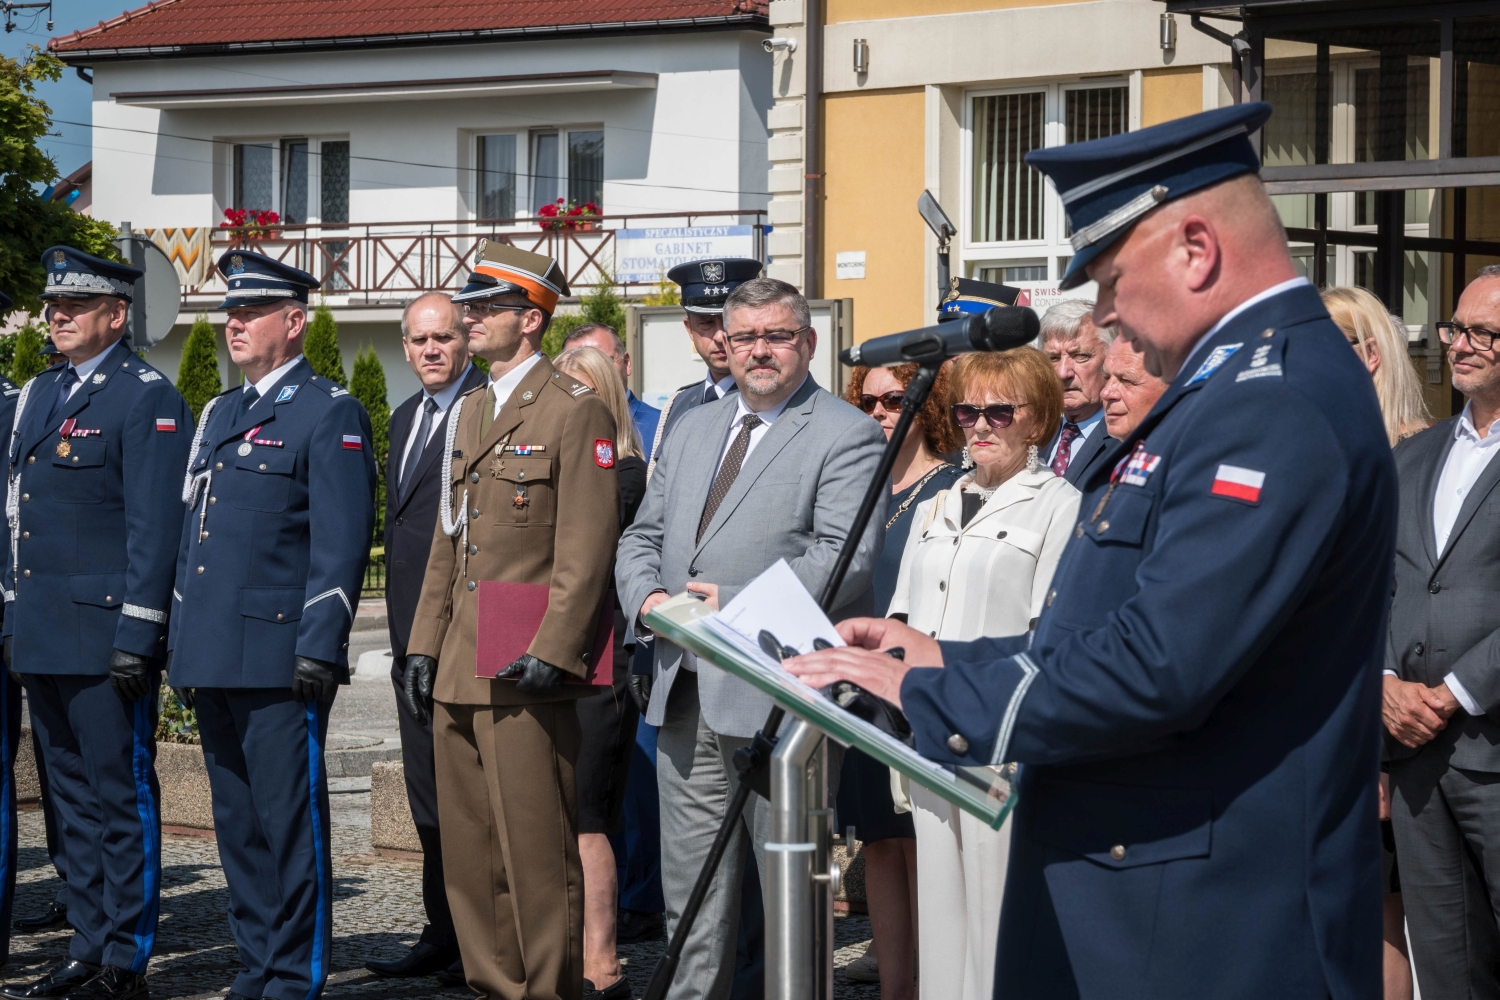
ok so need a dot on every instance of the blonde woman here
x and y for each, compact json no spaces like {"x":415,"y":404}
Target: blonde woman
{"x":978,"y":562}
{"x":1381,"y":344}
{"x":607,"y":719}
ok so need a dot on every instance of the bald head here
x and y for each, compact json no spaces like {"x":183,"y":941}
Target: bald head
{"x":1185,"y":265}
{"x":435,"y":340}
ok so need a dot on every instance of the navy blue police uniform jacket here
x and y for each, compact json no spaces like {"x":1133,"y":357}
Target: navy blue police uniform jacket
{"x":95,"y":541}
{"x":276,"y":535}
{"x":1197,"y":716}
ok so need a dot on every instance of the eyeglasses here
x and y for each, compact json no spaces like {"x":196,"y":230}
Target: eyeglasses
{"x":1479,"y":338}
{"x":488,"y":308}
{"x":997,"y":415}
{"x":891,"y":401}
{"x":742,"y":342}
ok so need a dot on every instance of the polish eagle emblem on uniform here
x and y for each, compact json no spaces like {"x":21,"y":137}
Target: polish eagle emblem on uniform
{"x":59,"y":258}
{"x":713,"y":272}
{"x":604,"y":453}
{"x":236,"y":263}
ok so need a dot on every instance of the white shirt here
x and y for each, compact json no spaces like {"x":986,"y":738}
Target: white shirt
{"x":1085,"y":428}
{"x":268,"y":383}
{"x":723,"y":385}
{"x":506,"y":384}
{"x":1467,"y":461}
{"x":767,"y":418}
{"x":86,"y":369}
{"x":444,"y":399}
{"x":1256,"y":299}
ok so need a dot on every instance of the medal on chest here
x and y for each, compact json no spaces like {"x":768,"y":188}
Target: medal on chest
{"x":64,"y":448}
{"x":245,"y":447}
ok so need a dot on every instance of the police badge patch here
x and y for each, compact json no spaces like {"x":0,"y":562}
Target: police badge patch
{"x":604,"y":453}
{"x":713,"y":272}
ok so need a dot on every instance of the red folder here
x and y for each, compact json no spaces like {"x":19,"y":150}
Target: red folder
{"x":509,"y":616}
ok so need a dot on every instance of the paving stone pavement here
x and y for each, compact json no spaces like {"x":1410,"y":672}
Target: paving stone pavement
{"x":377,"y":913}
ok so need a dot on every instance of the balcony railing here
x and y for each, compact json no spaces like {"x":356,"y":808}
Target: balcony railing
{"x":373,"y":262}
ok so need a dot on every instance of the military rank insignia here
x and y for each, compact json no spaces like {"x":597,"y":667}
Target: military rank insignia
{"x":604,"y":453}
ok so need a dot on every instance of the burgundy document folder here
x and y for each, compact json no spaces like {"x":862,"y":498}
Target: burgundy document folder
{"x":509,"y":616}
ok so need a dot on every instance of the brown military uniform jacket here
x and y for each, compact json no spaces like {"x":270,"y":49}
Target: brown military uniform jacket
{"x":569,"y":483}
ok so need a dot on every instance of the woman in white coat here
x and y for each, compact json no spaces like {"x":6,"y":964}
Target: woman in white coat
{"x":978,"y":562}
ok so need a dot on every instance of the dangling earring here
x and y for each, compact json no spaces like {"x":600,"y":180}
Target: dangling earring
{"x":1033,"y":459}
{"x":968,"y":463}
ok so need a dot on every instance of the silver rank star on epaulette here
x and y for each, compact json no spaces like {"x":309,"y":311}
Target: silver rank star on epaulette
{"x":579,"y":389}
{"x":1259,"y":366}
{"x":336,"y":393}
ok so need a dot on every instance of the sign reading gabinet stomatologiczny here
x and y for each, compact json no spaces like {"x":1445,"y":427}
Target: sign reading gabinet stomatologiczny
{"x":643,"y":256}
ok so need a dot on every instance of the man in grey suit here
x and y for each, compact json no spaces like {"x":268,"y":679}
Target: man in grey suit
{"x":775,"y":471}
{"x":1441,"y":703}
{"x":1076,"y":348}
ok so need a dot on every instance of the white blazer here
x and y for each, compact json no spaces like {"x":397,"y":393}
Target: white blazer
{"x":991,"y":577}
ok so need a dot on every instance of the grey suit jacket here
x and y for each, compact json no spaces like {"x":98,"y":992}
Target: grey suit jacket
{"x":794,"y":499}
{"x":1445,"y":616}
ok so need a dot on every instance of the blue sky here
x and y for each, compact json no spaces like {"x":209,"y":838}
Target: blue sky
{"x":69,"y":98}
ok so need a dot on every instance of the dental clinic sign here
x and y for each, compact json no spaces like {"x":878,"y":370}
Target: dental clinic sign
{"x":643,"y":256}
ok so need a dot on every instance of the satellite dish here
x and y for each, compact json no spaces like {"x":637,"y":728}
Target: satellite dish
{"x":158,"y":295}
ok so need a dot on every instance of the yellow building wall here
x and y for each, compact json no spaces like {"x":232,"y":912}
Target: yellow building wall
{"x":879,"y":10}
{"x":1172,"y":92}
{"x":873,"y":175}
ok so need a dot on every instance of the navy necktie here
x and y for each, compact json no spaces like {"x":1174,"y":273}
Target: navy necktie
{"x":68,"y":380}
{"x":710,"y":394}
{"x":247,"y":400}
{"x":414,"y":453}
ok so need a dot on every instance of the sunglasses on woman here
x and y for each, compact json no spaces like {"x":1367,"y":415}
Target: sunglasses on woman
{"x":891,"y":401}
{"x":997,"y":415}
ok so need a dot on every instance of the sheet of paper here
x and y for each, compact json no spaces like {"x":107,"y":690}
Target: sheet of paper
{"x":777,"y":602}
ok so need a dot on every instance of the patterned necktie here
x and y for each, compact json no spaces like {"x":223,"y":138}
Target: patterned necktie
{"x":728,"y":470}
{"x":68,"y":381}
{"x":247,"y":399}
{"x":1070,"y":433}
{"x":414,"y":453}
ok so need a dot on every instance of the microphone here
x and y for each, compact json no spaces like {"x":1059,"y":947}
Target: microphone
{"x":999,"y":329}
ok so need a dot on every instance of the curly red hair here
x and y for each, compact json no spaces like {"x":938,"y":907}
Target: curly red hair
{"x":940,"y":433}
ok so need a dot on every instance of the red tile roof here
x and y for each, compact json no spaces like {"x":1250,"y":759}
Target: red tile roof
{"x":165,"y":26}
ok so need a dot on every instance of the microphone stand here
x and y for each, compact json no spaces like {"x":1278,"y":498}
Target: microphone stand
{"x":753,"y":762}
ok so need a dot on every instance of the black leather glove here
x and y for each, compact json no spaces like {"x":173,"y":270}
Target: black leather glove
{"x":533,"y":676}
{"x":639,"y":686}
{"x":187,"y":696}
{"x":416,"y":687}
{"x":313,"y":680}
{"x":129,"y":675}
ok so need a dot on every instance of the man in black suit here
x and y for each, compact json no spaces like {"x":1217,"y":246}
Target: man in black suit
{"x":1441,"y":703}
{"x":1076,"y":348}
{"x":437,"y":348}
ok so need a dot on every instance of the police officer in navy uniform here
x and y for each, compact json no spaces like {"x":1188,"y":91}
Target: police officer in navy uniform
{"x":10,"y":727}
{"x":280,"y":511}
{"x":1196,"y":716}
{"x":93,"y":514}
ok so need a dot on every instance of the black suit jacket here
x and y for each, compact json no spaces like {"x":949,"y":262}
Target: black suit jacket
{"x":1444,"y":616}
{"x":1088,"y":453}
{"x":409,"y":521}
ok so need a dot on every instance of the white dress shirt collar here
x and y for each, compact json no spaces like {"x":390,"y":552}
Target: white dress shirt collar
{"x":767,"y":418}
{"x":90,"y":366}
{"x":445,"y":396}
{"x":506,"y":384}
{"x":268,"y":383}
{"x":1256,"y":299}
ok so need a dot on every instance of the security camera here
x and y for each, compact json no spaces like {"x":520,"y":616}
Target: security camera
{"x":787,"y":45}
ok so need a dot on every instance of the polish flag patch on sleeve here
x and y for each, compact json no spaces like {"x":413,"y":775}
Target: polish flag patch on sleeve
{"x":1238,"y":484}
{"x":352,"y":442}
{"x":167,"y":425}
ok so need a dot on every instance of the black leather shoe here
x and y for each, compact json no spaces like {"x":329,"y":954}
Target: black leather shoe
{"x":112,"y":983}
{"x":453,"y":975}
{"x":58,"y":982}
{"x":423,"y":960}
{"x":54,"y":916}
{"x":617,"y":990}
{"x":636,"y":926}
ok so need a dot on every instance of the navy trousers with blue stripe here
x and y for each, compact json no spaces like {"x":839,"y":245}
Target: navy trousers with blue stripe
{"x":100,"y":754}
{"x":10,"y":738}
{"x":264,"y":753}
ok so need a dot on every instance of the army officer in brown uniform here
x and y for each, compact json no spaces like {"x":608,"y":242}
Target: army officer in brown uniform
{"x":531,"y":499}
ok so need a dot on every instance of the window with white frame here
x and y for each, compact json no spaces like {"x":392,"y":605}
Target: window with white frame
{"x":1017,"y":231}
{"x":516,"y":173}
{"x":302,"y":179}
